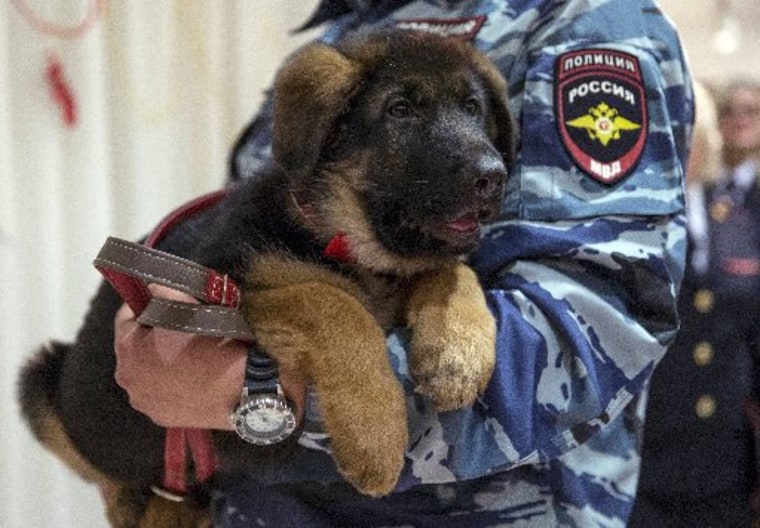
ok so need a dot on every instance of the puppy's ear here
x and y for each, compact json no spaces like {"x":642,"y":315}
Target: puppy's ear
{"x":312,"y":89}
{"x":501,"y":124}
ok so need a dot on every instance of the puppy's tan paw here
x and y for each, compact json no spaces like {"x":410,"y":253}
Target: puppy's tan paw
{"x":452,"y":372}
{"x":373,"y":463}
{"x":368,"y":430}
{"x":453,"y":344}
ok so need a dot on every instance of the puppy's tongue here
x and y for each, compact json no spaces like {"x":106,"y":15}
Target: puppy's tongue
{"x":464,"y":223}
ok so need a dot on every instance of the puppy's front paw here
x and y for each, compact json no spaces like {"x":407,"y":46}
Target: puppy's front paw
{"x":452,"y":368}
{"x":366,"y":421}
{"x":453,"y":344}
{"x":371,"y":455}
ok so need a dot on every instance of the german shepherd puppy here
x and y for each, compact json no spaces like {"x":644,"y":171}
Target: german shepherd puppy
{"x":397,"y":140}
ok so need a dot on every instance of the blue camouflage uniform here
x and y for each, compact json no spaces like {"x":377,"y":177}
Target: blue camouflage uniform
{"x":581,"y":273}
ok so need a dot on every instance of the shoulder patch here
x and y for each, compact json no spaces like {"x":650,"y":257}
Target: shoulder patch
{"x":465,"y":28}
{"x":601,"y":111}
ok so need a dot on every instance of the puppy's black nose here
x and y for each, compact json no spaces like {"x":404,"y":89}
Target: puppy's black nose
{"x":489,"y":177}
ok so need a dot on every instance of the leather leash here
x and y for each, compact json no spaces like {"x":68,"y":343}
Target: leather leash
{"x":129,"y":268}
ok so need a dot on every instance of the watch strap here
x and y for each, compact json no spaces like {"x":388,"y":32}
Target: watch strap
{"x":261,"y":373}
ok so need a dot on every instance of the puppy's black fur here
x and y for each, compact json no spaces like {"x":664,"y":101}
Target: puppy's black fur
{"x":396,"y":140}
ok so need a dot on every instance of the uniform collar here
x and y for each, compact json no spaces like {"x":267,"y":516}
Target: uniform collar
{"x":332,"y":9}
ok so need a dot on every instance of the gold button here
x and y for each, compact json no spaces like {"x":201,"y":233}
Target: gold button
{"x":705,"y":406}
{"x":703,"y":301}
{"x":720,"y":209}
{"x":703,"y":353}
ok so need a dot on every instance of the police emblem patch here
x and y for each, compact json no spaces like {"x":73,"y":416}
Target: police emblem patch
{"x":601,"y":111}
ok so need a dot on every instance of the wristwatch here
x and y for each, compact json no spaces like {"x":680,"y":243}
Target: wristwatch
{"x":264,"y":416}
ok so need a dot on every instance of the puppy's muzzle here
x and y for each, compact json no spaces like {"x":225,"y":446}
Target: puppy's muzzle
{"x":488,"y":175}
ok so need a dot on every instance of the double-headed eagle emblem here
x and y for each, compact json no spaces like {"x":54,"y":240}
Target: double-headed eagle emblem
{"x":603,"y":123}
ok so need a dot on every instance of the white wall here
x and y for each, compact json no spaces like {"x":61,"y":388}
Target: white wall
{"x":699,"y":20}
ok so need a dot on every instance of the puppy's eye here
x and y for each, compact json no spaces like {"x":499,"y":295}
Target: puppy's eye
{"x":473,"y":106}
{"x":401,"y":109}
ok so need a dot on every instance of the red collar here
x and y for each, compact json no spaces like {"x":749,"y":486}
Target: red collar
{"x":337,"y":249}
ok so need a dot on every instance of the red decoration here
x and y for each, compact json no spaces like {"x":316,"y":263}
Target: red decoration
{"x":37,"y":22}
{"x":61,"y":91}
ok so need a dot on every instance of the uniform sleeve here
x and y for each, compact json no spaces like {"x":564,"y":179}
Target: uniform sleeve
{"x":583,"y":271}
{"x":583,"y":268}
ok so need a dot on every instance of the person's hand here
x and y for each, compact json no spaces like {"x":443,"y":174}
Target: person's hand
{"x":179,"y":379}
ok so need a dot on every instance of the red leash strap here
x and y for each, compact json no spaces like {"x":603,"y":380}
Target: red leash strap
{"x":134,"y":292}
{"x":182,"y":213}
{"x":178,"y":442}
{"x":129,"y":268}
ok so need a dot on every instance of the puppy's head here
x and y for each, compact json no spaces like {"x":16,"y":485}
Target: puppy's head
{"x":398,"y":139}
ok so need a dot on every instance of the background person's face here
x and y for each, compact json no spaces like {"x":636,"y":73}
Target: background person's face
{"x":739,"y":122}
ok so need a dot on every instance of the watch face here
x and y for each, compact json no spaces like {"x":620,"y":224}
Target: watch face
{"x":264,"y":419}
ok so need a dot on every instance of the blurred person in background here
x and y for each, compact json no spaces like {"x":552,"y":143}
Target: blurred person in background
{"x":698,"y":456}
